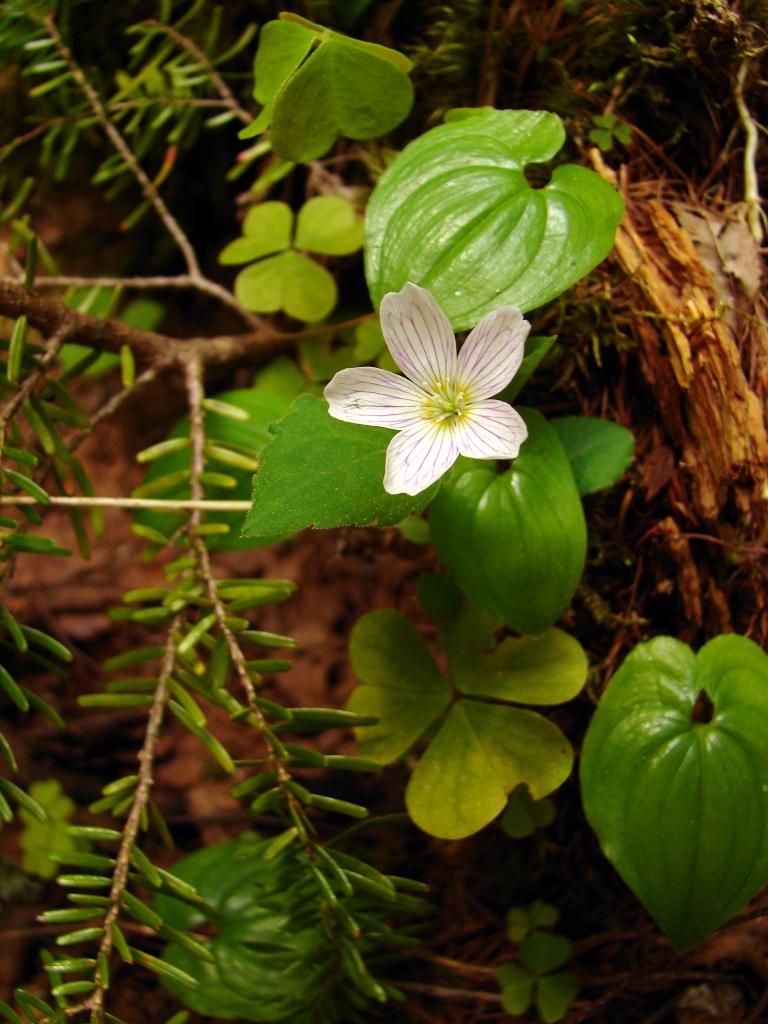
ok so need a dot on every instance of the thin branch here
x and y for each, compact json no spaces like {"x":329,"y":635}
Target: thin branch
{"x":159,"y":504}
{"x":50,"y":316}
{"x":452,"y":995}
{"x":112,"y":405}
{"x":222,"y":87}
{"x":751,"y":192}
{"x":117,"y":140}
{"x":138,"y":807}
{"x":49,"y":357}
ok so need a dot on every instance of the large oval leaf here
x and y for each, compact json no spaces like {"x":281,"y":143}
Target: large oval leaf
{"x":455,"y":214}
{"x":516,"y":540}
{"x":681,"y":806}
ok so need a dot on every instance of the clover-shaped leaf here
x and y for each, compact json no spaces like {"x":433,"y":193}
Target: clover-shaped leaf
{"x":539,"y":955}
{"x":316,"y":84}
{"x":523,"y":815}
{"x":328,"y":225}
{"x":291,"y":282}
{"x":266,"y":229}
{"x":484,"y":747}
{"x":39,"y":839}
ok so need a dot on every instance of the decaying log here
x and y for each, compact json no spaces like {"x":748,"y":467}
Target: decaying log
{"x":691,"y":361}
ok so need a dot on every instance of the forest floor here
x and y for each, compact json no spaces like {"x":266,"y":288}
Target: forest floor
{"x":628,"y":971}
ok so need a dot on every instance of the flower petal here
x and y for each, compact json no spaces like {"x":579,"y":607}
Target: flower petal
{"x":490,"y":430}
{"x":419,"y":456}
{"x":367,"y":394}
{"x":419,"y":335}
{"x":491,"y":355}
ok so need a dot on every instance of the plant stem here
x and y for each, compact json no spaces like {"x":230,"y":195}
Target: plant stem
{"x":166,"y":505}
{"x":140,"y":799}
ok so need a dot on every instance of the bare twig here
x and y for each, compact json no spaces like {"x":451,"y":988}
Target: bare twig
{"x":52,"y":350}
{"x":453,"y":995}
{"x":159,"y":504}
{"x":112,"y":405}
{"x":222,"y":87}
{"x":751,"y":192}
{"x":50,"y":316}
{"x":138,"y":808}
{"x":117,"y":140}
{"x":148,"y":188}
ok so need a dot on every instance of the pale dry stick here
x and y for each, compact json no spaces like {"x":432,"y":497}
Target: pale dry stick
{"x":452,"y":995}
{"x":159,"y":504}
{"x":222,"y":87}
{"x":751,"y":192}
{"x":148,"y":188}
{"x":95,"y":1002}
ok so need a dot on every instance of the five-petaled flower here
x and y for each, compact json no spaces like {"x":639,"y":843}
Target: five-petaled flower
{"x":441,"y":406}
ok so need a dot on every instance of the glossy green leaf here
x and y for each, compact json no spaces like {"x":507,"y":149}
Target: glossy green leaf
{"x":516,"y":540}
{"x":548,"y":670}
{"x":323,"y":472}
{"x":455,"y":214}
{"x":40,"y":839}
{"x":542,"y":952}
{"x":266,"y":229}
{"x":291,"y":282}
{"x":516,"y":988}
{"x":481,"y":753}
{"x":263,"y":408}
{"x":329,"y":225}
{"x":345,"y":87}
{"x":400,"y":684}
{"x":598,"y":450}
{"x":554,"y":994}
{"x":680,"y":806}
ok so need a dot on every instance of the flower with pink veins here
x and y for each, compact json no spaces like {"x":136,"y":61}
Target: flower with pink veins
{"x":441,"y":407}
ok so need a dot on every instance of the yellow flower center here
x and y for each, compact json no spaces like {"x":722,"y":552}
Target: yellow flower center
{"x":446,"y":404}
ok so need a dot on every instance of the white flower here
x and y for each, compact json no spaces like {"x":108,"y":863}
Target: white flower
{"x":441,"y":405}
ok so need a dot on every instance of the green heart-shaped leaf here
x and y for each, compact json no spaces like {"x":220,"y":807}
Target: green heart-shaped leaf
{"x":599,"y":451}
{"x":291,"y":282}
{"x":481,"y":753}
{"x":548,"y":670}
{"x":554,"y":994}
{"x":329,"y":225}
{"x":523,"y":815}
{"x":252,"y":434}
{"x":681,"y":806}
{"x":339,"y":90}
{"x":541,"y":952}
{"x":515,"y":541}
{"x":455,"y":214}
{"x":516,"y":988}
{"x":266,"y":229}
{"x":323,"y":472}
{"x":401,"y":684}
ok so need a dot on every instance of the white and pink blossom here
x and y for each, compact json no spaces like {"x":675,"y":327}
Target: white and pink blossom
{"x":442,"y":407}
